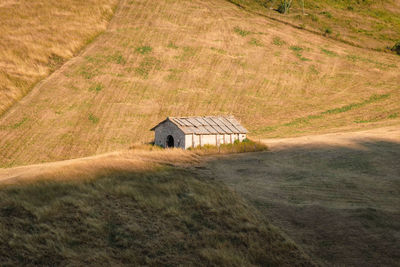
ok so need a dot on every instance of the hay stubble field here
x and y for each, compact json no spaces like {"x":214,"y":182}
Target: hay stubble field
{"x":170,"y":58}
{"x":327,"y":199}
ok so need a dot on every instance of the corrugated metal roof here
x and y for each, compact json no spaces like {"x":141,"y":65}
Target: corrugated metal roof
{"x":207,"y":125}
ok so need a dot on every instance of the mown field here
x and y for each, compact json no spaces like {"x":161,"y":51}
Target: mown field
{"x":133,"y":209}
{"x":176,"y":58}
{"x":336,"y":196}
{"x":37,"y":37}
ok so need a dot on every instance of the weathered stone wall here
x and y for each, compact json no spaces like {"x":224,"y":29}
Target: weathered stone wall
{"x":168,"y":128}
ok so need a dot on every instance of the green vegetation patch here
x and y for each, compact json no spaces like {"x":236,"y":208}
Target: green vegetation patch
{"x":304,"y":120}
{"x":372,"y":99}
{"x":329,"y":52}
{"x":96,"y":87}
{"x":174,"y":74}
{"x":255,"y":42}
{"x":298,"y":52}
{"x":172,"y":45}
{"x":187,"y":53}
{"x":20,"y":123}
{"x":93,"y":118}
{"x":147,"y":65}
{"x":381,"y":65}
{"x":278,"y":41}
{"x":241,"y":32}
{"x":144,"y":49}
{"x":296,"y":48}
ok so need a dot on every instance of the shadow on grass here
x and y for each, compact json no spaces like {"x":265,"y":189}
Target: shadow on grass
{"x":341,"y":204}
{"x":164,"y":217}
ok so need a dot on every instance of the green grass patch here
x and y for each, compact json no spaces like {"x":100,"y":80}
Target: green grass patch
{"x":219,"y":50}
{"x":278,"y":41}
{"x":93,"y":118}
{"x":394,"y":115}
{"x":372,"y":99}
{"x":304,"y":120}
{"x":96,"y":87}
{"x":174,"y":74}
{"x":172,"y":45}
{"x":296,"y":48}
{"x":241,"y":32}
{"x":147,"y":65}
{"x":381,"y":65}
{"x":144,"y":49}
{"x":19,"y":124}
{"x":255,"y":42}
{"x":116,"y":58}
{"x":329,"y":52}
{"x":187,"y":53}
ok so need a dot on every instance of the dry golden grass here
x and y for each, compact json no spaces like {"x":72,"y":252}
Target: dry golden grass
{"x":176,"y":58}
{"x":136,"y":160}
{"x":36,"y":37}
{"x":130,"y":215}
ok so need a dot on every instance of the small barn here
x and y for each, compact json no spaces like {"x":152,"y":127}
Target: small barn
{"x":185,"y":132}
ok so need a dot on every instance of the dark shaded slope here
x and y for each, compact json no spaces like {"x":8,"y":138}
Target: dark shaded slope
{"x":167,"y":217}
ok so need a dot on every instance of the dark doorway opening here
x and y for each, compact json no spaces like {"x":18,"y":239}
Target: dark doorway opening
{"x":170,"y":141}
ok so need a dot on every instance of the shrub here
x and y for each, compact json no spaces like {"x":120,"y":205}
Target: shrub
{"x":284,"y":6}
{"x":327,"y":14}
{"x":328,"y":30}
{"x":247,"y":145}
{"x":396,"y":48}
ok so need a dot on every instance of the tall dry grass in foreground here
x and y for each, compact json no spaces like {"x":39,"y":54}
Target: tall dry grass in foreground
{"x":135,"y":210}
{"x":37,"y":37}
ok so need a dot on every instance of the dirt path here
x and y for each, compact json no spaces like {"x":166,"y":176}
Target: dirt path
{"x":349,"y":139}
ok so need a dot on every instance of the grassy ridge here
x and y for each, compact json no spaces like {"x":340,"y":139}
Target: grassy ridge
{"x":167,"y":216}
{"x":38,"y":37}
{"x":371,"y":24}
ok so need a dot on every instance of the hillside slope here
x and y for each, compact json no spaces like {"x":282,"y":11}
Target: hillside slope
{"x":336,"y":195}
{"x":173,"y":58}
{"x":373,"y":24}
{"x":37,"y":37}
{"x":132,"y":209}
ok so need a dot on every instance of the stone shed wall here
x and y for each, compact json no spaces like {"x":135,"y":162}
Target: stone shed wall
{"x":168,"y":128}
